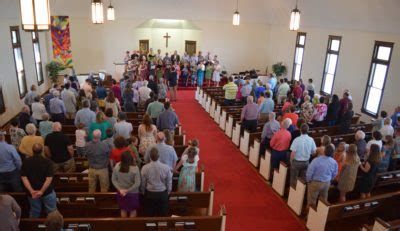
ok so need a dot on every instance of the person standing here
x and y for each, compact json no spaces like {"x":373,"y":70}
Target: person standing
{"x":249,"y":115}
{"x":85,"y":115}
{"x":38,"y":109}
{"x":269,"y":129}
{"x":156,"y":185}
{"x":10,"y":164}
{"x":187,"y":175}
{"x":28,"y":141}
{"x":147,"y":134}
{"x":172,"y":83}
{"x":10,"y":213}
{"x":283,"y":90}
{"x":37,"y":176}
{"x":69,"y":99}
{"x":347,"y":177}
{"x":280,"y":143}
{"x":57,"y":108}
{"x":100,"y":124}
{"x":60,"y":150}
{"x":231,"y":90}
{"x":122,"y":128}
{"x":167,"y":154}
{"x":267,"y":106}
{"x":98,"y":154}
{"x":154,"y":109}
{"x":167,"y":119}
{"x":369,"y":169}
{"x":302,"y":148}
{"x":30,"y":97}
{"x":16,"y":133}
{"x":126,"y":180}
{"x":319,"y":175}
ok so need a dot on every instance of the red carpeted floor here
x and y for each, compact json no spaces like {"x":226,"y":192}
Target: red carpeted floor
{"x":251,"y":204}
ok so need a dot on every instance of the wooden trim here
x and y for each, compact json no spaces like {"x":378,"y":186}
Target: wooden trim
{"x":374,"y":60}
{"x":299,"y":34}
{"x":3,"y":108}
{"x":18,"y":45}
{"x":328,"y":52}
{"x":36,"y":40}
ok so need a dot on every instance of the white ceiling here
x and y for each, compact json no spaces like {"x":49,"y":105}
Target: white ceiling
{"x":369,"y":15}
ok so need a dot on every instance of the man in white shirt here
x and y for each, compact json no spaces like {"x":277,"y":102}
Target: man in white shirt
{"x":283,"y":89}
{"x":302,"y":148}
{"x":123,"y":128}
{"x":144,"y":93}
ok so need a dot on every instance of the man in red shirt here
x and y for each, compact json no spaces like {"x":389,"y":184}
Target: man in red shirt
{"x":280,"y":143}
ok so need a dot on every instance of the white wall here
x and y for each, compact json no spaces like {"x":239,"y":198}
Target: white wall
{"x":8,"y":78}
{"x":353,"y":65}
{"x":97,"y":47}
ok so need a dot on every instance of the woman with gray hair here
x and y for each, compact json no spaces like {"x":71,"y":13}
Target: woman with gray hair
{"x":28,"y":141}
{"x":361,"y":144}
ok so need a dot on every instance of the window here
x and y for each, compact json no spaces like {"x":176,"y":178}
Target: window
{"x":18,"y":60}
{"x":332,"y":56}
{"x":37,"y":57}
{"x":298,"y":55}
{"x":377,"y":77}
{"x":2,"y":104}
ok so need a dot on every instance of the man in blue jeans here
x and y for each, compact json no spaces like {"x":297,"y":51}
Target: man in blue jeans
{"x":37,"y":176}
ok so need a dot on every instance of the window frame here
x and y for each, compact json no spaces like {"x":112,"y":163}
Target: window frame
{"x":374,"y":61}
{"x":35,"y":39}
{"x":3,"y":103}
{"x":329,"y":51}
{"x":17,"y":44}
{"x":298,"y":45}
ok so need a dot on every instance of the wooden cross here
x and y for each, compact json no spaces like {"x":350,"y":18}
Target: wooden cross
{"x":166,"y":39}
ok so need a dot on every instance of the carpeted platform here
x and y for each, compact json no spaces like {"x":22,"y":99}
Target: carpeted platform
{"x":251,"y":204}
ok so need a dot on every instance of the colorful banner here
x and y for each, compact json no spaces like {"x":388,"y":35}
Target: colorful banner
{"x":61,"y":39}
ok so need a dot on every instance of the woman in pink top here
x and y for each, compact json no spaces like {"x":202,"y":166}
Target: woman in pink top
{"x":320,"y":112}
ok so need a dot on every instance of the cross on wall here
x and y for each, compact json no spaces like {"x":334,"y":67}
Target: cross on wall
{"x":166,"y":39}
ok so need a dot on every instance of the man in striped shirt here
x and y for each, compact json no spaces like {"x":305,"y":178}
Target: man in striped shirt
{"x":230,"y":92}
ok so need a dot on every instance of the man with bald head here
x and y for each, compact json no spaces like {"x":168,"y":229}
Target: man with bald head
{"x":37,"y":176}
{"x":98,"y":153}
{"x":166,"y":152}
{"x":59,"y":149}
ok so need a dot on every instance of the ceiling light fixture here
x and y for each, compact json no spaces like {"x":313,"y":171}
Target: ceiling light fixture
{"x":295,"y":19}
{"x":236,"y":15}
{"x":97,"y":12}
{"x":35,"y":15}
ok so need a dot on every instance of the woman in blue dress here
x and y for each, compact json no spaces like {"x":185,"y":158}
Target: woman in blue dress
{"x":200,"y":74}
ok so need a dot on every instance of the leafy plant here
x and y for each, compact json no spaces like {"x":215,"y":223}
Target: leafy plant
{"x":54,"y":68}
{"x":279,"y":69}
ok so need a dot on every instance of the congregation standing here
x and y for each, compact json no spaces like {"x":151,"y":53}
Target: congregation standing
{"x":289,"y":109}
{"x":117,"y":160}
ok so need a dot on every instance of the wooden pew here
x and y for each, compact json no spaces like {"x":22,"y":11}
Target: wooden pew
{"x":381,"y":225}
{"x":79,"y":182}
{"x":330,"y":217}
{"x":209,"y":223}
{"x":84,"y":204}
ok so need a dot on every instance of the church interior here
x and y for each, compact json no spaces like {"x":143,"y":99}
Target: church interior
{"x":277,"y":94}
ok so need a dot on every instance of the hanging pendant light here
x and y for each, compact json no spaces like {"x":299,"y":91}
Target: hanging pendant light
{"x":236,"y":16}
{"x":295,"y":19}
{"x":110,"y":13}
{"x":35,"y":15}
{"x":97,"y":12}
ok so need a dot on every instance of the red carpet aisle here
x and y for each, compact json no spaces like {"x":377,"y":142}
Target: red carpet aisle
{"x":251,"y":205}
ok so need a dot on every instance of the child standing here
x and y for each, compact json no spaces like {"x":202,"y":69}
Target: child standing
{"x":209,"y":71}
{"x":80,"y":142}
{"x":200,"y":74}
{"x":339,"y":156}
{"x":185,"y":74}
{"x":187,"y":176}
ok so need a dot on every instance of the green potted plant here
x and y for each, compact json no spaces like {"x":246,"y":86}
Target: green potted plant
{"x":279,"y":69}
{"x":54,"y":68}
